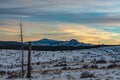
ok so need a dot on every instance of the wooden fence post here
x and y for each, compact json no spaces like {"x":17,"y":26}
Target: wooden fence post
{"x":29,"y":61}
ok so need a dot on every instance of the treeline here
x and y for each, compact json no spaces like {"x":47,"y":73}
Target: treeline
{"x":53,"y":48}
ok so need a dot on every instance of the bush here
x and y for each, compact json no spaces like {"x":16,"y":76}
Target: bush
{"x":85,"y":66}
{"x":38,"y":63}
{"x":94,"y":66}
{"x":13,"y":75}
{"x":101,"y":61}
{"x":112,"y":66}
{"x":87,"y":74}
{"x":44,"y":72}
{"x":2,"y":72}
{"x":61,"y":64}
{"x":66,"y":68}
{"x":70,"y":77}
{"x":103,"y":67}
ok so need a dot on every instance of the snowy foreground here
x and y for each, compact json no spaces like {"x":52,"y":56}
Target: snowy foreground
{"x":88,"y":64}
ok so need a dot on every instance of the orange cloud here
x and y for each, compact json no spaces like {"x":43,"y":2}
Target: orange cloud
{"x":89,"y":35}
{"x":83,"y":33}
{"x":7,"y":29}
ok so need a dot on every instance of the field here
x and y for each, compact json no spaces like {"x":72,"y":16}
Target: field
{"x":86,"y":64}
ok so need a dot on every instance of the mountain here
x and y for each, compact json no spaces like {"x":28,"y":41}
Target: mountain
{"x":50,"y":42}
{"x":9,"y":43}
{"x":46,"y":42}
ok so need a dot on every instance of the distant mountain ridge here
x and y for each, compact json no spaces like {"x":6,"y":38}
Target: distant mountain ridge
{"x":50,"y":42}
{"x":46,"y":42}
{"x":9,"y":43}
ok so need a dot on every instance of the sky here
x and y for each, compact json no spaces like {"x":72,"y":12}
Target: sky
{"x":88,"y":21}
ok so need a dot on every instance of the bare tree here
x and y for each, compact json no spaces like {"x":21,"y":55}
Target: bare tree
{"x":21,"y":36}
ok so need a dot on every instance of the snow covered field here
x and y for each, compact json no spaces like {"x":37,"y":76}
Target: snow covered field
{"x":88,"y":64}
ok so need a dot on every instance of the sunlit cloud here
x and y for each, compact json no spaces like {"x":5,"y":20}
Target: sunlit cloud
{"x":60,"y":31}
{"x":90,"y":35}
{"x":7,"y":30}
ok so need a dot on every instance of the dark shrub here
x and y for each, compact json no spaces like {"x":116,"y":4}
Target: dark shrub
{"x":14,"y":75}
{"x":38,"y":63}
{"x":101,"y":61}
{"x":103,"y":67}
{"x":44,"y":72}
{"x":60,"y":64}
{"x":87,"y":74}
{"x":64,"y":68}
{"x":112,"y":66}
{"x":93,"y":66}
{"x":85,"y":66}
{"x":2,"y":72}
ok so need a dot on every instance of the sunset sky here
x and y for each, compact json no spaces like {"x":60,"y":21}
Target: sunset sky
{"x":89,"y":21}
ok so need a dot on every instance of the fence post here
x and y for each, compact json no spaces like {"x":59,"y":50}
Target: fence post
{"x":29,"y":61}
